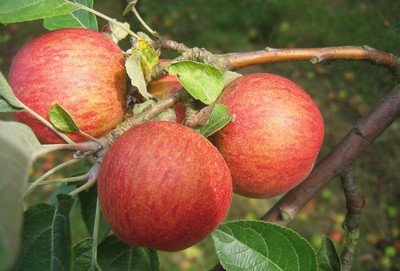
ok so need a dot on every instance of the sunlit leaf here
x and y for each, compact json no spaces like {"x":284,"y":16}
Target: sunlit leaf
{"x":217,"y":120}
{"x":77,"y":18}
{"x":13,"y":11}
{"x":204,"y":82}
{"x":61,"y":119}
{"x":258,"y":245}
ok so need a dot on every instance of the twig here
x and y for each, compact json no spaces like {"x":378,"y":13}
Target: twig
{"x":315,"y":55}
{"x":145,"y":115}
{"x":201,"y":118}
{"x":354,"y":204}
{"x":84,"y":146}
{"x":92,"y":177}
{"x":356,"y":141}
{"x":48,"y":124}
{"x":171,"y":45}
{"x":105,"y":17}
{"x":65,"y":180}
{"x":47,"y":174}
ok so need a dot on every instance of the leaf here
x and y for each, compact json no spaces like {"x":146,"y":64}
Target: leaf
{"x":6,"y":106}
{"x":117,"y":33}
{"x":77,"y":18}
{"x":114,"y":255}
{"x":218,"y":119}
{"x":83,"y":255}
{"x":328,"y":257}
{"x":17,"y":145}
{"x":88,"y":208}
{"x":204,"y":82}
{"x":230,"y":76}
{"x":61,"y":119}
{"x":47,"y":237}
{"x":149,"y":57}
{"x":135,"y":73}
{"x":258,"y":245}
{"x":7,"y":94}
{"x":12,"y":11}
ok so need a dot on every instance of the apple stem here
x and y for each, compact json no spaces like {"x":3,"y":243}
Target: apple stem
{"x":92,"y":177}
{"x":105,"y":17}
{"x":47,"y":174}
{"x":96,"y":235}
{"x":354,"y":204}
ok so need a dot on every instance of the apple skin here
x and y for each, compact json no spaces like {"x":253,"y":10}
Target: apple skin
{"x":272,"y":144}
{"x":164,"y":87}
{"x":80,"y":69}
{"x":162,"y":185}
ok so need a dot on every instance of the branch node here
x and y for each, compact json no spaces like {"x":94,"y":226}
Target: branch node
{"x":367,"y":48}
{"x":269,"y":49}
{"x":358,"y":132}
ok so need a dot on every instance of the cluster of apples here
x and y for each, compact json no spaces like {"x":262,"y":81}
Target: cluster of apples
{"x":161,"y":184}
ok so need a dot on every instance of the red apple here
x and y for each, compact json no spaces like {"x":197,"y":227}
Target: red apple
{"x":273,"y":142}
{"x":80,"y":69}
{"x":163,"y":186}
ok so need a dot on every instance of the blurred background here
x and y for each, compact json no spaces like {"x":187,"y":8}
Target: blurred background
{"x":343,"y":91}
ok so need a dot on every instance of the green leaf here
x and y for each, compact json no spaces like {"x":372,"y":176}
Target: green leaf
{"x":17,"y":145}
{"x":88,"y":208}
{"x":218,"y":119}
{"x":204,"y":82}
{"x":6,"y":94}
{"x":149,"y":57}
{"x":230,"y":76}
{"x":83,"y":255}
{"x":328,"y":257}
{"x":6,"y":106}
{"x":258,"y":245}
{"x":135,"y":73}
{"x":78,"y":18}
{"x":114,"y":255}
{"x":12,"y":11}
{"x":47,"y":237}
{"x":61,"y":119}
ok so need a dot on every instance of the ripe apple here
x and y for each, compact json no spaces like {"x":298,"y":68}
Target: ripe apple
{"x":80,"y":69}
{"x":162,"y":185}
{"x":273,"y":142}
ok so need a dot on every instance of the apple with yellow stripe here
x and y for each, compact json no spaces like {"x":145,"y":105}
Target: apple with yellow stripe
{"x":80,"y":69}
{"x":163,"y":186}
{"x":277,"y":132}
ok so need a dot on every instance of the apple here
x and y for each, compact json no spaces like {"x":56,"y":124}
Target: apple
{"x":80,"y":69}
{"x":277,"y":132}
{"x":164,"y":87}
{"x":162,"y":185}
